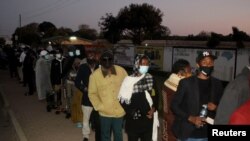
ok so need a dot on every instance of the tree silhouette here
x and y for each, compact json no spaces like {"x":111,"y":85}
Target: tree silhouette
{"x":2,"y":41}
{"x":28,"y":34}
{"x":110,"y":28}
{"x":239,"y":36}
{"x":214,"y":40}
{"x":86,"y":32}
{"x":47,"y":29}
{"x":62,"y":31}
{"x":137,"y":22}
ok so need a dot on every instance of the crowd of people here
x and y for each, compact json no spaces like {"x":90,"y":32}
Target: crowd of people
{"x":59,"y":77}
{"x":97,"y":94}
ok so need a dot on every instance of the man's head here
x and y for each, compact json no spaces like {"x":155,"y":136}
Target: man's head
{"x":59,"y":53}
{"x":107,"y":59}
{"x":205,"y":63}
{"x":91,"y":59}
{"x":182,"y":68}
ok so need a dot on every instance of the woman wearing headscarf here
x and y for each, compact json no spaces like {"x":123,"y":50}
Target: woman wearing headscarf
{"x":76,"y":111}
{"x":140,"y":102}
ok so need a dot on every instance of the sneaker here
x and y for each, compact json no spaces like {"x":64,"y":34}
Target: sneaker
{"x":57,"y":112}
{"x":79,"y":125}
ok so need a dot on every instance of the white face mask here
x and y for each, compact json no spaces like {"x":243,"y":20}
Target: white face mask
{"x":46,"y":57}
{"x":143,"y":69}
{"x":78,"y":52}
{"x":58,"y":56}
{"x":71,"y":54}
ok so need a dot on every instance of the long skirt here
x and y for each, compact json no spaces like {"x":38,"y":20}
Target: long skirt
{"x":76,"y":111}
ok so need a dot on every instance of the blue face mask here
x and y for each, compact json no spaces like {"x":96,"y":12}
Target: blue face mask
{"x":143,"y":69}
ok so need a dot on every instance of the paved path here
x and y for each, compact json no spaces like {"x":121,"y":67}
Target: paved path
{"x":7,"y":130}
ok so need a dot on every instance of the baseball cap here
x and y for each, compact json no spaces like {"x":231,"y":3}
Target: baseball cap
{"x":107,"y":54}
{"x":204,"y":54}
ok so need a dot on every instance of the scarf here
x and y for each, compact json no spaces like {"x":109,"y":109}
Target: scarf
{"x":156,"y":122}
{"x":126,"y":89}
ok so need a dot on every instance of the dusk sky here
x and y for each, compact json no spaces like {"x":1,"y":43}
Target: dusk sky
{"x":183,"y":17}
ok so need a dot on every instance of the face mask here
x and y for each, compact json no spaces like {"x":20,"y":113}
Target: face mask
{"x":46,"y":57}
{"x":51,"y":55}
{"x":71,"y":54}
{"x":143,"y":69}
{"x":206,"y":70}
{"x":78,"y":52}
{"x":58,"y":56}
{"x":107,"y":63}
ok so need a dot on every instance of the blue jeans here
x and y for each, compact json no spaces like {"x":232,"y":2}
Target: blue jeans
{"x":109,"y":125}
{"x":194,"y":139}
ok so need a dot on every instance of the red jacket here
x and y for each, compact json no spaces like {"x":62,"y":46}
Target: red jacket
{"x":242,"y":115}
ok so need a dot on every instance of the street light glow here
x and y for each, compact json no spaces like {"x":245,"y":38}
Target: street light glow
{"x":72,"y":38}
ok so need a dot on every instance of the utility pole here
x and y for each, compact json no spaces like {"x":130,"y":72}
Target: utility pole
{"x":20,"y":25}
{"x":20,"y":20}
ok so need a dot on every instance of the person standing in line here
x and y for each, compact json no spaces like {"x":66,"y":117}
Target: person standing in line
{"x":29,"y":71}
{"x":19,"y":64}
{"x":181,"y":69}
{"x":104,"y":85}
{"x":235,"y":94}
{"x":42,"y":70}
{"x":139,"y":98}
{"x":76,"y":109}
{"x":194,"y":93}
{"x":57,"y":65}
{"x":71,"y":67}
{"x":82,"y":82}
{"x":21,"y":60}
{"x":12,"y":60}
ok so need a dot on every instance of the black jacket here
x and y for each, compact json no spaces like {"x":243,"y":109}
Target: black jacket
{"x":56,"y":71}
{"x":82,"y":82}
{"x":186,"y":102}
